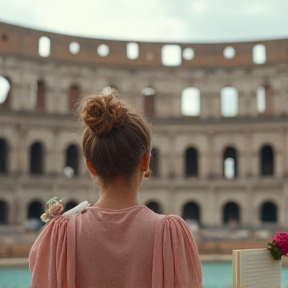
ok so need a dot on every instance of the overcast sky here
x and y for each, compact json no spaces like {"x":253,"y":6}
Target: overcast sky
{"x":154,"y":20}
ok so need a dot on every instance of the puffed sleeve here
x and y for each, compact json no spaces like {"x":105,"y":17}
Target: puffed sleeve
{"x":176,"y":262}
{"x":52,"y":256}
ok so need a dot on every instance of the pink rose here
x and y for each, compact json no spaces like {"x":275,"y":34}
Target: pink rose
{"x":281,"y":240}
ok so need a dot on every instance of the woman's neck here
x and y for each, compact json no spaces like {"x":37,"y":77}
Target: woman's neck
{"x":118,"y":194}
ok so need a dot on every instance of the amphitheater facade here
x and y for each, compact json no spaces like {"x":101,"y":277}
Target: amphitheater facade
{"x":219,"y":118}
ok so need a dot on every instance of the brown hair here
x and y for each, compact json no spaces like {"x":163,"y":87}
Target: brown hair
{"x":115,"y":136}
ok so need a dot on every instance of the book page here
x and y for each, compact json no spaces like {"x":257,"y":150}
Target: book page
{"x":257,"y":269}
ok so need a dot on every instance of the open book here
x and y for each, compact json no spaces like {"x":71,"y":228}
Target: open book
{"x":255,"y":268}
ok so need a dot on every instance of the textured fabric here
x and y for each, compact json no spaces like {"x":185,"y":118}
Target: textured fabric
{"x":105,"y":248}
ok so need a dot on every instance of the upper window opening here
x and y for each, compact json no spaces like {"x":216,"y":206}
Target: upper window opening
{"x":103,"y":50}
{"x":132,"y":51}
{"x":230,"y":163}
{"x":229,"y":52}
{"x":229,"y":102}
{"x":40,"y":100}
{"x":261,"y":99}
{"x":73,"y":96}
{"x":171,"y":55}
{"x":74,"y":47}
{"x":148,"y":91}
{"x":259,"y":54}
{"x":188,"y":53}
{"x":190,"y":101}
{"x":44,"y":46}
{"x":4,"y":89}
{"x":149,"y":99}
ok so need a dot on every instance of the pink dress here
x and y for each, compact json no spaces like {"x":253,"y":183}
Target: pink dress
{"x":105,"y":248}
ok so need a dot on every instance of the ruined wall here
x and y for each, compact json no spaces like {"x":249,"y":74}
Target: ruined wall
{"x":210,"y":133}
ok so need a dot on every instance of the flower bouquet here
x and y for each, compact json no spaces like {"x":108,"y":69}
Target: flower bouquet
{"x":279,"y":245}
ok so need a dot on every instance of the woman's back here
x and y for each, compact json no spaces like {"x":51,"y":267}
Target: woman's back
{"x":127,"y":248}
{"x":115,"y":247}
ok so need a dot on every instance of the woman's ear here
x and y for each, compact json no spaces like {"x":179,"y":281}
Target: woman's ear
{"x":91,"y":170}
{"x":145,"y":161}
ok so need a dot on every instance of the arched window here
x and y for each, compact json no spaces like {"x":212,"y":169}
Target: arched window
{"x":265,"y":99}
{"x":44,"y":46}
{"x":154,"y":162}
{"x":190,"y":101}
{"x":72,"y":159}
{"x":229,"y":102}
{"x":191,"y":162}
{"x":3,"y":156}
{"x":267,"y":161}
{"x":259,"y":54}
{"x":3,"y":212}
{"x":268,"y":212}
{"x":148,"y":94}
{"x":191,"y":211}
{"x":231,"y":213}
{"x":154,"y":206}
{"x":36,"y":158}
{"x":230,"y":163}
{"x":69,"y":205}
{"x":73,"y":96}
{"x":35,"y":210}
{"x":40,"y":95}
{"x":5,"y":92}
{"x":132,"y":50}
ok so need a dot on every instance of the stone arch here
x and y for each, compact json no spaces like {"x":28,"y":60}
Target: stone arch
{"x":154,"y":162}
{"x":35,"y":209}
{"x":266,"y":160}
{"x":72,"y":159}
{"x":154,"y":206}
{"x":231,"y":213}
{"x":230,"y":162}
{"x":73,"y":96}
{"x":70,"y":204}
{"x":191,"y":210}
{"x":4,"y":210}
{"x":268,"y":212}
{"x":148,"y":94}
{"x":191,"y":162}
{"x":3,"y":156}
{"x":36,"y":158}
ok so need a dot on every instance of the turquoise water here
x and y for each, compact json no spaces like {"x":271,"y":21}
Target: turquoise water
{"x":216,"y":275}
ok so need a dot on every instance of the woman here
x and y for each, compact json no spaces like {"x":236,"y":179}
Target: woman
{"x":116,"y":242}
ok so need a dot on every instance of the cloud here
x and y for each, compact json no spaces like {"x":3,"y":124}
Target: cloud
{"x":150,"y":20}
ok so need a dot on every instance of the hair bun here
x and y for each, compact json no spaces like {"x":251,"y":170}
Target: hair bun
{"x":103,"y":113}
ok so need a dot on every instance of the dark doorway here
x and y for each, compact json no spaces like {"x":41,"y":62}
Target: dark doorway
{"x":191,"y":162}
{"x":191,"y":211}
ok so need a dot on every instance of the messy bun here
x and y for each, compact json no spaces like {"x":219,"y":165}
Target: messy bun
{"x":115,"y":136}
{"x":103,"y":113}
